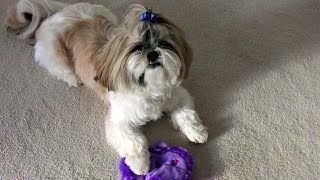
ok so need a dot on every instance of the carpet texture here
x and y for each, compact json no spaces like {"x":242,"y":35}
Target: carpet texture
{"x":255,"y":81}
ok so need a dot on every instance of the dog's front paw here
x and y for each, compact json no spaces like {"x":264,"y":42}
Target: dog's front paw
{"x":197,"y":134}
{"x":139,"y":163}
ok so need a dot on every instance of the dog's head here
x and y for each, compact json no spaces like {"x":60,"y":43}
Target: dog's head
{"x":145,"y":55}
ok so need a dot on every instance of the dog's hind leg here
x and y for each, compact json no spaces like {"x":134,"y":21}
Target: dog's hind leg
{"x":51,"y":53}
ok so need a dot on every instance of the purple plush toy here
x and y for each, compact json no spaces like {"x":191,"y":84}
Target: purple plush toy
{"x":166,"y":163}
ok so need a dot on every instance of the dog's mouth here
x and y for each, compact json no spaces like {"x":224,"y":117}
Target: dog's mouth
{"x":151,"y":65}
{"x":154,"y":64}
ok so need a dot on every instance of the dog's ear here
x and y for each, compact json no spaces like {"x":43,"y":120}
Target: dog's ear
{"x":183,"y":47}
{"x":107,"y":55}
{"x":111,"y":63}
{"x":187,"y":56}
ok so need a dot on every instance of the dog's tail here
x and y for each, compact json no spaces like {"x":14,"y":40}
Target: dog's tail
{"x":25,"y":17}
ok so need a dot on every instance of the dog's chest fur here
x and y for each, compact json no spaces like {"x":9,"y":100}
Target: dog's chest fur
{"x":136,"y":109}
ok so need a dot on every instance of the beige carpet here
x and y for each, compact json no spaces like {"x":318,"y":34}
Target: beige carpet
{"x":255,"y":80}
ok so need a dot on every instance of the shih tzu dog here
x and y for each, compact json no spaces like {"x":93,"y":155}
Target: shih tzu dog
{"x":136,"y":67}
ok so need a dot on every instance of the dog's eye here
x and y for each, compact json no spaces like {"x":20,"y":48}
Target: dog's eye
{"x":167,"y":45}
{"x":137,"y":48}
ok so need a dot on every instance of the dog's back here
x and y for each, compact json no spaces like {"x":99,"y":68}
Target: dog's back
{"x":63,"y":33}
{"x":76,"y":32}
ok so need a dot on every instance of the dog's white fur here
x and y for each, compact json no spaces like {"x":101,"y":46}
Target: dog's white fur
{"x":130,"y":107}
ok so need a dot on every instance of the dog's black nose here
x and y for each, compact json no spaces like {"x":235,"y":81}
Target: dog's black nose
{"x":153,"y":56}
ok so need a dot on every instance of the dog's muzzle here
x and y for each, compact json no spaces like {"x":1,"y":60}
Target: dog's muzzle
{"x":153,"y":59}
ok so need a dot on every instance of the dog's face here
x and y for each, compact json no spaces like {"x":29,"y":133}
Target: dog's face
{"x":152,"y":57}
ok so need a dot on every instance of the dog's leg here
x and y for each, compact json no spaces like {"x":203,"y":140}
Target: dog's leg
{"x":185,"y":118}
{"x":129,"y":143}
{"x":52,"y":54}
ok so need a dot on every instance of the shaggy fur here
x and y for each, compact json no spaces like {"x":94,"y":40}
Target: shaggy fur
{"x":135,"y":67}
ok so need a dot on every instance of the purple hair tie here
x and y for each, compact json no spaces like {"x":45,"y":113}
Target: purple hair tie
{"x":166,"y":163}
{"x":148,"y":17}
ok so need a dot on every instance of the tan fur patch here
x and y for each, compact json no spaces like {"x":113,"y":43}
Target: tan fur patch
{"x":88,"y":40}
{"x":63,"y":53}
{"x":96,"y":58}
{"x":111,"y":63}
